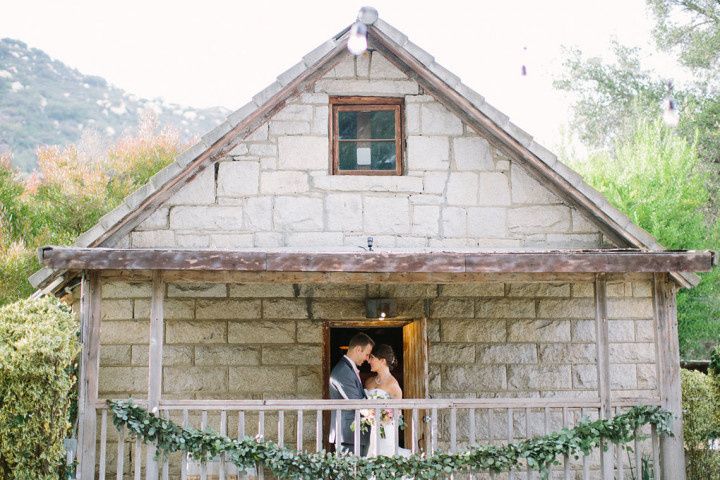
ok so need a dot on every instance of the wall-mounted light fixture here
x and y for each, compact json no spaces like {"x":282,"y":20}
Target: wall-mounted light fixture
{"x":380,"y":308}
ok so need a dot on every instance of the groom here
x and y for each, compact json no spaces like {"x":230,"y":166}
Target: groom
{"x":345,"y":384}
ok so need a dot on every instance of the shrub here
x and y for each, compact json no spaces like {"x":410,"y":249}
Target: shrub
{"x":38,"y":342}
{"x":699,"y":417}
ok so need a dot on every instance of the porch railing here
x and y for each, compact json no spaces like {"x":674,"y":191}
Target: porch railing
{"x":431,"y":424}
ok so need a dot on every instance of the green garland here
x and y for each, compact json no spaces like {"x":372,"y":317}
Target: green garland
{"x":538,"y":453}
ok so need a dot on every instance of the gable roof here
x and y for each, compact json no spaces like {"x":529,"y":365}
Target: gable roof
{"x":419,"y":65}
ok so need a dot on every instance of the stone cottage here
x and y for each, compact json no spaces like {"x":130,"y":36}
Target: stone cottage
{"x":371,"y":193}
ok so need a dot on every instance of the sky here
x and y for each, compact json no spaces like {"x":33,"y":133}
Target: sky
{"x":220,"y":53}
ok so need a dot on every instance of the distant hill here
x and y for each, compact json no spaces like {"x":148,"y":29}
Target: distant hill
{"x":45,"y":102}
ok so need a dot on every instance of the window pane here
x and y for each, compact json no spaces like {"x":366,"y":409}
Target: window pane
{"x":383,"y":124}
{"x":347,"y":124}
{"x":366,"y":125}
{"x":366,"y":156}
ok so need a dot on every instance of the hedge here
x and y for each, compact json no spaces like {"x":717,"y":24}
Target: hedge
{"x":38,"y":344}
{"x":700,"y":407}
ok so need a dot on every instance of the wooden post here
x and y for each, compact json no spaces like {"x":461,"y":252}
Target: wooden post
{"x":668,"y":357}
{"x":603,"y":365}
{"x":157,"y":315}
{"x":90,"y":304}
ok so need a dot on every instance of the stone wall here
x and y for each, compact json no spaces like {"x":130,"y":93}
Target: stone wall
{"x":275,"y":190}
{"x":485,"y":339}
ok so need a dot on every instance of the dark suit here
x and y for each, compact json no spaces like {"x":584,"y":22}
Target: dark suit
{"x":345,"y":384}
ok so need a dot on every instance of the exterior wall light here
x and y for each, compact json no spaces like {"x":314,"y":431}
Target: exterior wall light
{"x":381,"y":308}
{"x":357,"y":42}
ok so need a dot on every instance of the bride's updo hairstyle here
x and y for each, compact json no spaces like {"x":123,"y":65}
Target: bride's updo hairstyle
{"x":386,"y":353}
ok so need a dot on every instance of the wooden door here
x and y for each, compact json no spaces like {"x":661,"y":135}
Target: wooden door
{"x":415,"y":373}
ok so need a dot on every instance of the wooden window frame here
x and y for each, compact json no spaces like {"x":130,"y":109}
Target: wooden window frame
{"x":365,"y":104}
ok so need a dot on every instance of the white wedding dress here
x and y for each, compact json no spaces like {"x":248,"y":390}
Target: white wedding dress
{"x":385,"y":444}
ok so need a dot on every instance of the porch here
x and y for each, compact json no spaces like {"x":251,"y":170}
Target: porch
{"x":505,"y":346}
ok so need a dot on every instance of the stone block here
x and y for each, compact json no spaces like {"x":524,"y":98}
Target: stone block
{"x":231,"y":241}
{"x":644,"y":330}
{"x":528,"y":190}
{"x":298,"y":214}
{"x":172,"y":309}
{"x":543,"y":219}
{"x":309,"y":331}
{"x":472,"y":153}
{"x":363,"y":87}
{"x":367,"y":183}
{"x":119,"y":289}
{"x":294,"y":112}
{"x":192,"y":240}
{"x":462,"y":189}
{"x":268,"y":239}
{"x":302,"y":152}
{"x":451,"y":308}
{"x":195,"y":332}
{"x":412,"y":119}
{"x":426,"y":220}
{"x":494,"y":189}
{"x":386,"y":215}
{"x":583,"y":330}
{"x":116,"y":309}
{"x":188,"y":380}
{"x":567,"y":353}
{"x":623,"y":308}
{"x":198,"y":290}
{"x":319,"y":125}
{"x":487,"y":222}
{"x":228,"y":309}
{"x":473,"y":331}
{"x":584,"y":289}
{"x":238,"y":179}
{"x":539,"y":331}
{"x":123,"y":380}
{"x":454,"y":222}
{"x":566,"y":308}
{"x":479,"y":289}
{"x":173,"y":355}
{"x":309,"y":381}
{"x":258,"y":213}
{"x":623,"y":376}
{"x":263,"y":149}
{"x":261,"y":290}
{"x":642,"y":288}
{"x":158,"y":220}
{"x":283,"y":182}
{"x":572,"y":240}
{"x":428,"y":153}
{"x":438,"y":120}
{"x":261,"y":332}
{"x":344,"y":211}
{"x":647,"y":376}
{"x":113,"y":355}
{"x":293,"y":355}
{"x":504,"y":308}
{"x":338,"y":309}
{"x":344,"y":69}
{"x":435,"y":182}
{"x":632,"y":352}
{"x":472,"y":379}
{"x":259,"y":135}
{"x":285,"y":308}
{"x":124,"y":332}
{"x":581,"y":224}
{"x":621,"y":330}
{"x":451,"y":354}
{"x":399,"y":290}
{"x":538,"y":289}
{"x":239,"y":150}
{"x":538,"y":377}
{"x":333,"y":291}
{"x":507,"y":353}
{"x":207,"y":355}
{"x":381,"y":68}
{"x":200,"y":190}
{"x":289,"y":128}
{"x":585,"y":376}
{"x":263,"y":379}
{"x":206,"y":218}
{"x":153,"y":239}
{"x":314,"y":239}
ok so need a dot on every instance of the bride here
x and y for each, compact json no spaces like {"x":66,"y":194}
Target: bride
{"x":383,"y":385}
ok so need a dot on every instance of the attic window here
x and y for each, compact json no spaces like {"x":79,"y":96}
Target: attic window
{"x":366,"y":135}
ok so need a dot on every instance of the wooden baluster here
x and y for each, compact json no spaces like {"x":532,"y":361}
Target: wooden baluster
{"x":511,"y":474}
{"x":203,"y":426}
{"x":166,"y":460}
{"x":241,"y":425}
{"x":528,"y":470}
{"x":585,"y":462}
{"x":103,"y":444}
{"x":395,"y":425}
{"x":356,"y":434}
{"x":338,"y":426}
{"x":318,"y":430}
{"x":223,"y":432}
{"x":184,"y":463}
{"x":453,"y":429}
{"x":433,"y":431}
{"x":638,"y":455}
{"x":281,"y":428}
{"x":299,"y":431}
{"x":471,"y":420}
{"x":414,"y":432}
{"x":120,"y":467}
{"x":378,"y":426}
{"x":566,"y":457}
{"x":261,"y":435}
{"x":491,"y":412}
{"x":619,"y":454}
{"x":655,"y":451}
{"x":546,"y":430}
{"x":138,"y":459}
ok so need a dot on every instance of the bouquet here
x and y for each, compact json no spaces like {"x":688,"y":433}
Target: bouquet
{"x":367,"y":417}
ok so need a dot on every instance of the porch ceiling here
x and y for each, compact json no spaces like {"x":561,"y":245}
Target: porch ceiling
{"x":405,"y":261}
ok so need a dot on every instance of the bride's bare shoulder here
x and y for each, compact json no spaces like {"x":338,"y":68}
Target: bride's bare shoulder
{"x":395,"y":390}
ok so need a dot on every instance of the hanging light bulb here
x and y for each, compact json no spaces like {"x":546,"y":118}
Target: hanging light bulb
{"x":671,"y":114}
{"x":357,"y":42}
